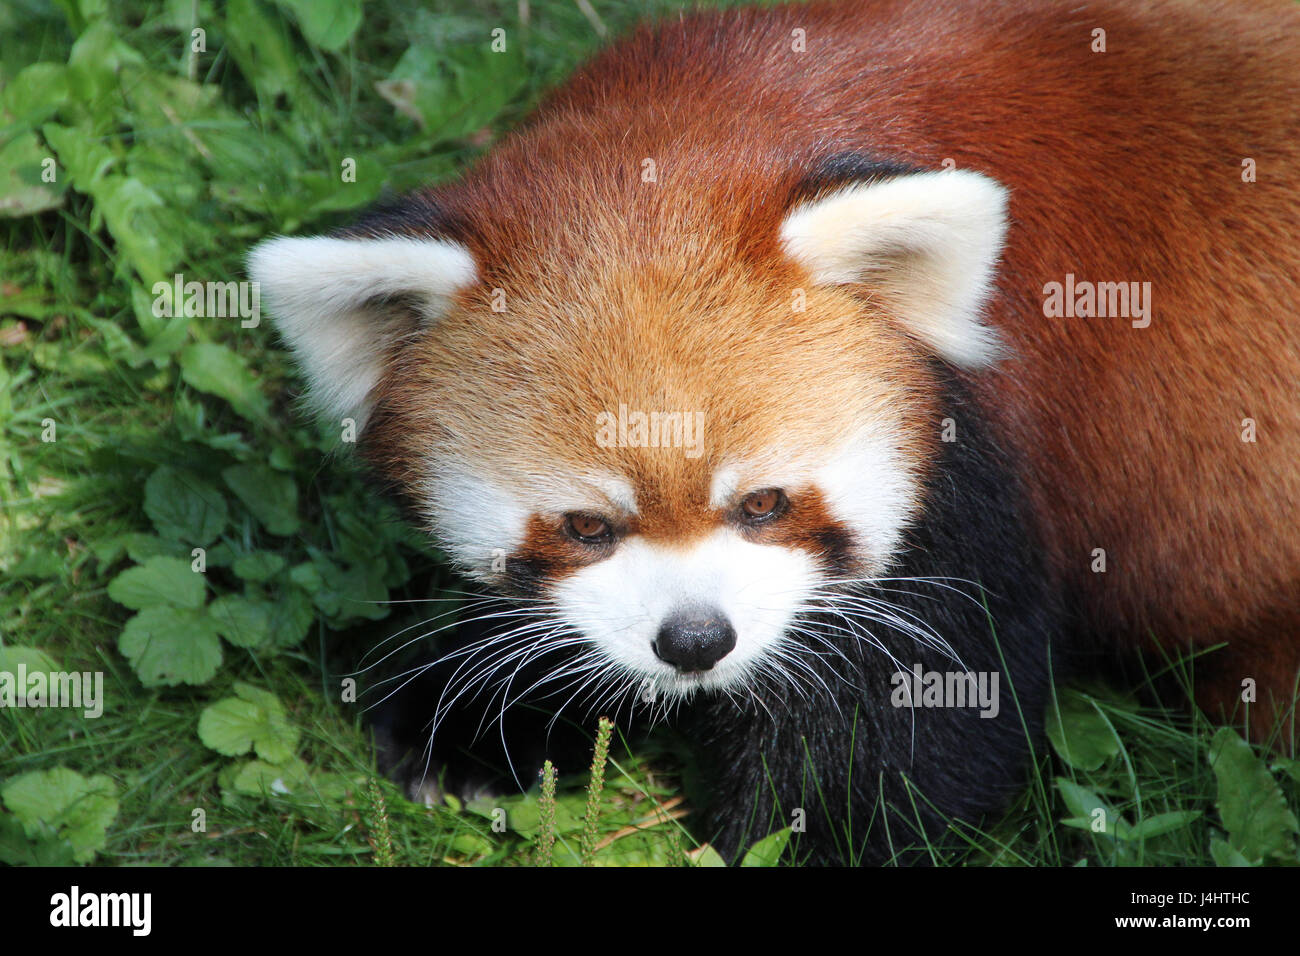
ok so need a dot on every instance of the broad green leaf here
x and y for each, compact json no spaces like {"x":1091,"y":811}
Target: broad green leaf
{"x":39,"y":565}
{"x":242,"y":622}
{"x":1079,"y":733}
{"x":80,"y":809}
{"x":183,"y":507}
{"x":307,"y":576}
{"x":524,"y":816}
{"x":159,"y":581}
{"x":457,"y":91}
{"x":1225,"y":854}
{"x":84,"y":160}
{"x":261,"y":48}
{"x":39,"y":845}
{"x":34,"y":659}
{"x":272,"y":497}
{"x":36,"y":93}
{"x":292,"y":615}
{"x":1250,"y":802}
{"x":141,"y":547}
{"x":169,"y":646}
{"x":767,"y":851}
{"x":327,"y":24}
{"x":252,"y":720}
{"x":258,"y":777}
{"x":24,"y":190}
{"x":709,"y":857}
{"x":95,"y":64}
{"x":469,"y":845}
{"x":219,"y":371}
{"x":258,"y":565}
{"x":354,"y":592}
{"x":1084,"y":803}
{"x":1160,"y":823}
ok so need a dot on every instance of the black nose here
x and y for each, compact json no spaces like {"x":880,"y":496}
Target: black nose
{"x":695,"y":640}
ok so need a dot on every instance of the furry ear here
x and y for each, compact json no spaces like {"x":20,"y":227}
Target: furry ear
{"x":926,"y":242}
{"x":341,"y":303}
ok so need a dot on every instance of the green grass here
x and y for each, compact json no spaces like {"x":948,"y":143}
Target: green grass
{"x":226,"y":736}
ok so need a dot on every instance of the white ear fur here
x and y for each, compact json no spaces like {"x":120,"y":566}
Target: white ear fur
{"x":927,"y":242}
{"x":325,"y":295}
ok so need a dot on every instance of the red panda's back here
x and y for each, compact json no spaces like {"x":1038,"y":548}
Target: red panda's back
{"x":1142,"y":143}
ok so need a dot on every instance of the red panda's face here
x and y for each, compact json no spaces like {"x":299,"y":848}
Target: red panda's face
{"x":676,"y":454}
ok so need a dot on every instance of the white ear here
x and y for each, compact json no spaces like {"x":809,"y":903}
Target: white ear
{"x":926,"y":242}
{"x":328,"y":297}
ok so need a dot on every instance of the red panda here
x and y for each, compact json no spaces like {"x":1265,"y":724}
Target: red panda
{"x":788,"y":355}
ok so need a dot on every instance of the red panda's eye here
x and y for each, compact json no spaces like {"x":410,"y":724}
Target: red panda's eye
{"x":763,"y":504}
{"x":587,"y":528}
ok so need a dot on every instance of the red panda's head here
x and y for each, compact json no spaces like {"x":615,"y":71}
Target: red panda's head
{"x":675,"y":421}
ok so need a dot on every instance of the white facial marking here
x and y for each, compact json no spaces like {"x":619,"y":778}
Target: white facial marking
{"x":476,"y":520}
{"x":620,"y":603}
{"x":557,"y":492}
{"x":617,"y":491}
{"x":865,"y":483}
{"x":725,"y":486}
{"x":867,"y":487}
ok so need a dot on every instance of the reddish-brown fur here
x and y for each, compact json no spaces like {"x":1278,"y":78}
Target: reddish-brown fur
{"x":1122,"y":166}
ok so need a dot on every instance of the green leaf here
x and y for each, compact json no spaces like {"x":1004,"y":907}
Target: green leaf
{"x":1250,"y":802}
{"x":23,"y":189}
{"x":183,"y":507}
{"x":292,"y":616}
{"x":258,"y":777}
{"x":272,"y":497}
{"x":79,"y":809}
{"x":218,"y":371}
{"x":354,"y":592}
{"x":40,"y":565}
{"x":327,"y":24}
{"x":85,"y":161}
{"x":457,"y":91}
{"x":258,"y":565}
{"x":1079,"y":732}
{"x":242,"y":622}
{"x":169,"y":646}
{"x":13,"y":655}
{"x":159,"y":581}
{"x":36,"y":93}
{"x":1160,"y":823}
{"x":1084,"y":803}
{"x":251,"y":720}
{"x":139,"y":219}
{"x":523,"y":815}
{"x":767,"y":851}
{"x":307,"y":576}
{"x":1225,"y":854}
{"x":39,"y":845}
{"x":261,"y":47}
{"x":709,"y":857}
{"x":141,"y":547}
